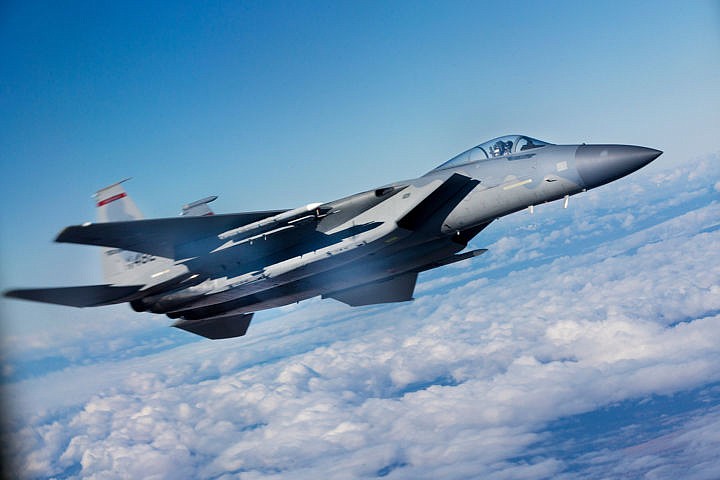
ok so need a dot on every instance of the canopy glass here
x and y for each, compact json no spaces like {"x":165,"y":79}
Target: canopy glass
{"x":497,"y":147}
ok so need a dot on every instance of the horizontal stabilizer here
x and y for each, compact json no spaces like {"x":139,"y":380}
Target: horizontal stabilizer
{"x":396,"y":289}
{"x":215,"y":328}
{"x":86,"y":296}
{"x":157,"y":236}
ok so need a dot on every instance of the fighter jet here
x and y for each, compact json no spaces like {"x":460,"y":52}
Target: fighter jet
{"x":210,"y":273}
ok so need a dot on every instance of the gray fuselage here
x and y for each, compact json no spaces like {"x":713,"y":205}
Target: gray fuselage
{"x":211,"y":272}
{"x":383,"y":233}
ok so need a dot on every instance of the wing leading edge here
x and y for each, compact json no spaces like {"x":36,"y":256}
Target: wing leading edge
{"x":157,"y":236}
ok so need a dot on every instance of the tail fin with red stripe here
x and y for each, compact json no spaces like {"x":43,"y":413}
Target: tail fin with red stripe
{"x":123,"y":267}
{"x":114,"y":204}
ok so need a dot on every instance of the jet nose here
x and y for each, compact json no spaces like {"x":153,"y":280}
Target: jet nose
{"x":601,"y":164}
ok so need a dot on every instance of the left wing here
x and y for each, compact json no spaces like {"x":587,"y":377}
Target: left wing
{"x":399,"y":288}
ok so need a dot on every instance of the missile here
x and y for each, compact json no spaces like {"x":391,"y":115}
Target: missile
{"x":291,"y":216}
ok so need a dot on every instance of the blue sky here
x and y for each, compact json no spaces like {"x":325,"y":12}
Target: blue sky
{"x":272,"y":105}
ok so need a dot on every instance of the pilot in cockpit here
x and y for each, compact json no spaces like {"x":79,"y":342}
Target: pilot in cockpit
{"x":501,"y":148}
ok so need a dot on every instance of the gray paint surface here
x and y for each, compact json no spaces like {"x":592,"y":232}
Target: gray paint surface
{"x":210,"y":272}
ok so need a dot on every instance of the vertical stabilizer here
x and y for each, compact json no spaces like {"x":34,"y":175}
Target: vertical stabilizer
{"x":123,"y":267}
{"x":198,"y":208}
{"x":114,"y":204}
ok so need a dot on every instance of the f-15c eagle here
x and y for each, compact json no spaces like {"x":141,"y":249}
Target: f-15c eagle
{"x":212,"y":272}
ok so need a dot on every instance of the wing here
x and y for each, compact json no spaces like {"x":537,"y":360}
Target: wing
{"x":399,"y":288}
{"x":87,"y":296}
{"x":157,"y":236}
{"x":396,"y":289}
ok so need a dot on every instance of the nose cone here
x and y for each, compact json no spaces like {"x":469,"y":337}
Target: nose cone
{"x":601,"y":164}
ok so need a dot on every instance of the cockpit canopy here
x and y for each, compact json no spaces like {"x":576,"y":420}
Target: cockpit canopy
{"x":497,"y":147}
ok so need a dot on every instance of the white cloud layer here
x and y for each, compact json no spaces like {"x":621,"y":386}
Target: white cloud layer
{"x":569,"y":313}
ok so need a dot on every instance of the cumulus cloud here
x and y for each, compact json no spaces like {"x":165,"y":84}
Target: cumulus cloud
{"x":463,"y":382}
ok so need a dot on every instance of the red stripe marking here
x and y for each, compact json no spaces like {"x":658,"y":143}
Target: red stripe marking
{"x":111,"y":199}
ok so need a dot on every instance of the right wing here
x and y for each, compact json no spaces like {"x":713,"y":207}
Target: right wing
{"x":157,"y":236}
{"x":88,"y":296}
{"x":175,"y":237}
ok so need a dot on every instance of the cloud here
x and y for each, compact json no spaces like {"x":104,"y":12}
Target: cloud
{"x":463,"y":382}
